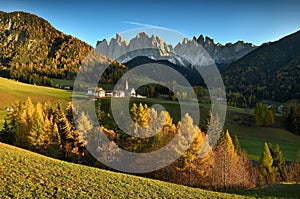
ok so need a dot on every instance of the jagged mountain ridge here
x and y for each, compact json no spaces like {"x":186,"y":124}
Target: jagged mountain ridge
{"x":187,"y":52}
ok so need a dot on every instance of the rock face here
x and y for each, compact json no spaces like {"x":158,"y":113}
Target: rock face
{"x":142,"y":45}
{"x":224,"y":54}
{"x":189,"y":52}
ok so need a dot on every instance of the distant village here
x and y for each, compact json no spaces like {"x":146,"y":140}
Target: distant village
{"x":99,"y":92}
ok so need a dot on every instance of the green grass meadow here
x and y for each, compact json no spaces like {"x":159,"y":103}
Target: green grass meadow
{"x":11,"y":91}
{"x":252,"y":139}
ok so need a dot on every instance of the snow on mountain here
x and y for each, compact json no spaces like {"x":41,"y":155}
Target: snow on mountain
{"x":201,"y":51}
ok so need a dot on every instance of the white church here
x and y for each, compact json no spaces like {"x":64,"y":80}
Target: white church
{"x":99,"y":92}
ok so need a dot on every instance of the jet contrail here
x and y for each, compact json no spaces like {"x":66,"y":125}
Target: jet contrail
{"x":144,"y":25}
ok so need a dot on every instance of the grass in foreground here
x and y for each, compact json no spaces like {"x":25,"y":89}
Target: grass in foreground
{"x":24,"y":174}
{"x":274,"y":191}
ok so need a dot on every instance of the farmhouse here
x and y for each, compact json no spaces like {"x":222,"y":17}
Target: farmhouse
{"x":119,"y":93}
{"x":96,"y":92}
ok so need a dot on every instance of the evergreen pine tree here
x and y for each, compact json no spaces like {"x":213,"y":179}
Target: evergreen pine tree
{"x":285,"y":112}
{"x":134,"y":112}
{"x":266,"y":164}
{"x":55,"y":135}
{"x":278,"y":161}
{"x":259,"y":114}
{"x":100,"y":113}
{"x":293,"y":119}
{"x":207,"y":122}
{"x":143,"y":115}
{"x":6,"y":134}
{"x":37,"y":134}
{"x":25,"y":119}
{"x":189,"y":141}
{"x":69,"y":114}
{"x":186,"y":132}
{"x":212,"y":128}
{"x":66,"y":135}
{"x":224,"y":158}
{"x":84,"y":126}
{"x":237,"y":145}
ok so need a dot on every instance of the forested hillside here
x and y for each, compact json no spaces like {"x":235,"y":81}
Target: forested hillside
{"x":32,"y":51}
{"x":272,"y":72}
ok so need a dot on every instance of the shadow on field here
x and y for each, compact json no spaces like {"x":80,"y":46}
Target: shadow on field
{"x":272,"y":191}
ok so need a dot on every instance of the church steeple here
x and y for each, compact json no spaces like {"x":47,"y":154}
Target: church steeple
{"x":126,"y":85}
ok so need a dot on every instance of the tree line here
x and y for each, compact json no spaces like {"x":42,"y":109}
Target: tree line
{"x":51,"y":130}
{"x":44,"y":129}
{"x":291,"y":118}
{"x":265,"y":116}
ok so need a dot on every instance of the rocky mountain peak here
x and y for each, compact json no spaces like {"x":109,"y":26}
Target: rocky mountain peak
{"x":209,"y":41}
{"x":200,"y":40}
{"x":185,"y":41}
{"x":120,"y":39}
{"x":143,"y":45}
{"x":142,"y":35}
{"x":119,"y":46}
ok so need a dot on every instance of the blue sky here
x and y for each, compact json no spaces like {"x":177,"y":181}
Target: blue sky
{"x":225,"y":21}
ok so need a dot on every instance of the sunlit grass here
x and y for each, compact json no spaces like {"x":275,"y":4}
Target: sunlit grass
{"x":24,"y":174}
{"x":11,"y":91}
{"x":252,"y":139}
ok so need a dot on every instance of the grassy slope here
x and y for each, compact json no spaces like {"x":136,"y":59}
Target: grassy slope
{"x":252,"y":139}
{"x":11,"y":91}
{"x":274,"y":191}
{"x":24,"y":174}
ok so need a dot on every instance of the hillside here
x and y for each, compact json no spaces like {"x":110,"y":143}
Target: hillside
{"x":33,"y":51}
{"x":29,"y":44}
{"x":272,"y":71}
{"x":24,"y":174}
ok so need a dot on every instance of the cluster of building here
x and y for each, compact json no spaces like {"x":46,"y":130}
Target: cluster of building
{"x":99,"y":92}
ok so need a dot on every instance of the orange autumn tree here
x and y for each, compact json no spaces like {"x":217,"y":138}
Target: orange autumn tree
{"x":229,"y":170}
